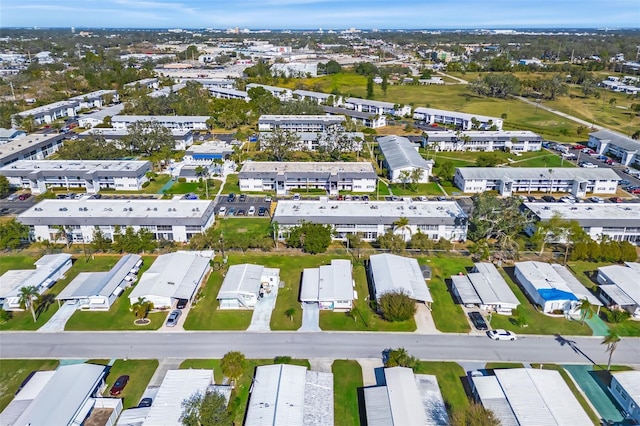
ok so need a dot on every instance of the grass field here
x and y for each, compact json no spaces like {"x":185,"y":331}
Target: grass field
{"x":139,"y":372}
{"x":23,"y":320}
{"x":231,"y":184}
{"x":197,"y":188}
{"x":347,"y":378}
{"x":14,"y":371}
{"x":574,"y":389}
{"x":498,"y":365}
{"x":538,"y":323}
{"x":447,"y":315}
{"x":119,"y":317}
{"x":206,"y":364}
{"x":450,"y":376}
{"x":430,"y":188}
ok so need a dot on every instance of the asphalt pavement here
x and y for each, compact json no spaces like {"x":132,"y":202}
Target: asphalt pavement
{"x":336,"y":345}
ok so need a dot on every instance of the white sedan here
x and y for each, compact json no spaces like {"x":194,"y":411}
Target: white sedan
{"x":501,"y":335}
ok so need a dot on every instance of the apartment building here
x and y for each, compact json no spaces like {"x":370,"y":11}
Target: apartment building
{"x":461,"y":120}
{"x":36,"y":146}
{"x":474,"y":140}
{"x":401,"y":156}
{"x":377,"y":107}
{"x":621,"y":147}
{"x":281,"y":93}
{"x":171,"y":122}
{"x":318,"y":97}
{"x":299,"y":123}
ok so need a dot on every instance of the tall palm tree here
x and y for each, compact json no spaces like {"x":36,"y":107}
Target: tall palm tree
{"x":586,"y":310}
{"x":27,"y":298}
{"x":402,"y":224}
{"x":611,"y":340}
{"x":203,"y":172}
{"x":142,"y":307}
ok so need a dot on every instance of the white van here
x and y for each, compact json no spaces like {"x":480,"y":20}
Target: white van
{"x":252,"y":211}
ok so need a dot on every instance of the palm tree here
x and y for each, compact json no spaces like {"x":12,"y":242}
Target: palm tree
{"x":405,"y":177}
{"x":141,"y":308}
{"x":232,"y":365}
{"x":27,"y":298}
{"x":586,"y":310}
{"x":611,"y":340}
{"x":290,"y":313}
{"x":402,"y":224}
{"x":203,"y":172}
{"x":275,"y":229}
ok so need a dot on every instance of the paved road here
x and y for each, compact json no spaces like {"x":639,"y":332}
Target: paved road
{"x":144,"y":345}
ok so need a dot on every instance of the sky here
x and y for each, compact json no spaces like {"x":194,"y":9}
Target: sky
{"x":325,"y":14}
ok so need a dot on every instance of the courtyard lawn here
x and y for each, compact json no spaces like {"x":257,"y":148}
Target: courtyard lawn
{"x":197,"y":188}
{"x":156,"y":184}
{"x":447,"y":315}
{"x":11,"y":262}
{"x":231,"y":184}
{"x":450,"y":377}
{"x":22,"y":320}
{"x":206,"y":315}
{"x":538,"y":323}
{"x":249,"y":225}
{"x":14,"y":371}
{"x":347,"y":378}
{"x":363,"y":318}
{"x":140,"y":373}
{"x":430,"y":188}
{"x":205,"y":364}
{"x":119,"y":317}
{"x":574,"y":389}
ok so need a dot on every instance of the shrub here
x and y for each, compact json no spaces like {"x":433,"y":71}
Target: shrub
{"x":107,"y":189}
{"x":398,"y":357}
{"x":396,"y":306}
{"x":182,"y":179}
{"x":282,"y":360}
{"x":144,"y":185}
{"x":617,"y":316}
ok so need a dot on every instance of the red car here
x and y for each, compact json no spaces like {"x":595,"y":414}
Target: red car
{"x":579,"y":146}
{"x":119,"y":385}
{"x":635,"y":191}
{"x":615,"y":199}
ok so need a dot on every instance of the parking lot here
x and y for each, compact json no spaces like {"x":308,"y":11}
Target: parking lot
{"x":243,"y":206}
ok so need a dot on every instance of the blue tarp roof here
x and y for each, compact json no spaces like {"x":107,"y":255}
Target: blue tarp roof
{"x":207,"y":156}
{"x":555,"y":294}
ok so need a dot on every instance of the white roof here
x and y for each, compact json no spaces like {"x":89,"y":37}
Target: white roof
{"x":576,"y":286}
{"x":63,"y":396}
{"x":12,"y":281}
{"x":160,"y":118}
{"x":486,"y":285}
{"x":23,"y":399}
{"x":177,"y":386}
{"x":379,"y":104}
{"x":462,"y":115}
{"x":377,"y":406}
{"x":630,"y":381}
{"x":542,"y":275}
{"x":627,"y":281}
{"x":399,"y":152}
{"x":245,"y":278}
{"x":277,"y":397}
{"x":404,"y":397}
{"x":318,"y":399}
{"x":493,"y":398}
{"x":133,"y":416}
{"x":328,"y":282}
{"x":538,"y":173}
{"x":175,"y":275}
{"x":432,"y":401}
{"x":71,"y":166}
{"x":396,"y":273}
{"x":541,"y":397}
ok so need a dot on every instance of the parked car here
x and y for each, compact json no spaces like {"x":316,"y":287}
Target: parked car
{"x":146,"y":402}
{"x":12,"y":197}
{"x":262,"y":211}
{"x":615,"y":199}
{"x":501,"y":334}
{"x":478,"y":320}
{"x":119,"y":385}
{"x":243,"y":198}
{"x":267,"y":199}
{"x":635,"y":191}
{"x":624,"y":182}
{"x":231,"y":198}
{"x":578,"y":146}
{"x":365,"y":198}
{"x":548,"y":198}
{"x":23,"y":197}
{"x":596,"y":200}
{"x":172,"y":320}
{"x":531,"y":199}
{"x":182,"y":303}
{"x":296,"y":197}
{"x":252,"y":211}
{"x":222,"y":211}
{"x":241,"y":212}
{"x":231,"y":212}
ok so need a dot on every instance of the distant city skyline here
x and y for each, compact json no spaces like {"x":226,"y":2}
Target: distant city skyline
{"x":325,"y":14}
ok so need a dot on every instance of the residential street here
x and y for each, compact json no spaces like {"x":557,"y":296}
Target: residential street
{"x":451,"y":347}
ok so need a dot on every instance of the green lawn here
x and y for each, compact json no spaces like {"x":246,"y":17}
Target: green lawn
{"x":574,"y":389}
{"x":231,"y":184}
{"x":450,"y":376}
{"x":153,"y":187}
{"x":347,"y":378}
{"x":538,"y":323}
{"x":430,"y":188}
{"x":14,"y":371}
{"x":11,"y":262}
{"x":498,"y":365}
{"x":205,"y":364}
{"x":23,"y":320}
{"x":139,"y":372}
{"x":197,"y":188}
{"x":366,"y":319}
{"x":119,"y":317}
{"x":447,"y":315}
{"x":205,"y":315}
{"x":240,"y":225}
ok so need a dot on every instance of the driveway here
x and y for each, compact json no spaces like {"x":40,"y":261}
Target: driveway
{"x":60,"y":318}
{"x":424,"y":320}
{"x":261,"y":318}
{"x":310,"y":317}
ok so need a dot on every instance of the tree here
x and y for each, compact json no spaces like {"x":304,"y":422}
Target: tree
{"x":90,"y":148}
{"x":586,"y":310}
{"x":232,"y":365}
{"x":141,"y":308}
{"x":4,"y":186}
{"x":333,"y":67}
{"x":487,"y":160}
{"x":446,"y":170}
{"x":206,"y":409}
{"x":279,"y":144}
{"x":385,"y":85}
{"x":421,"y":241}
{"x":474,"y":414}
{"x":399,"y":357}
{"x":262,"y":101}
{"x":147,"y":137}
{"x":393,"y":242}
{"x":355,"y":242}
{"x":370,"y":87}
{"x":402,"y":225}
{"x":27,"y":297}
{"x":404,"y":176}
{"x":611,"y":340}
{"x":396,"y":306}
{"x":312,"y":238}
{"x":99,"y":241}
{"x":12,"y":234}
{"x":416,"y":176}
{"x":290,"y":313}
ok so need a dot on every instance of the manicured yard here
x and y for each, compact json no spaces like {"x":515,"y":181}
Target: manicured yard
{"x":205,"y":315}
{"x":14,"y":371}
{"x":366,"y":319}
{"x":538,"y":323}
{"x":140,"y":373}
{"x":11,"y":262}
{"x":450,"y":377}
{"x":241,"y":225}
{"x":206,"y":364}
{"x":197,"y":188}
{"x":119,"y":317}
{"x":447,"y":315}
{"x":156,"y":184}
{"x":23,"y":320}
{"x":347,"y":378}
{"x":231,"y":184}
{"x":574,"y":389}
{"x":498,"y":365}
{"x":430,"y":188}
